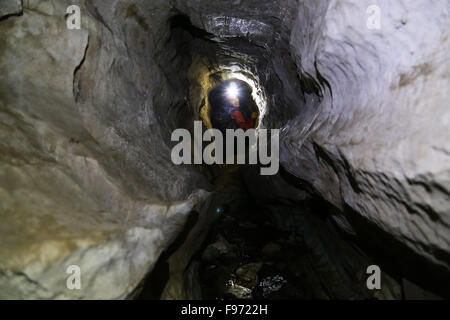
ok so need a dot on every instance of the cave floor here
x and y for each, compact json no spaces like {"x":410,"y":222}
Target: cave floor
{"x":247,"y":258}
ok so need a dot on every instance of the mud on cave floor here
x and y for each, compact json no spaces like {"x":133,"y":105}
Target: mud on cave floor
{"x":247,"y":258}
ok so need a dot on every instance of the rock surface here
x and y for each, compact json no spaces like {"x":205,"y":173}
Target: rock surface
{"x":376,"y":146}
{"x":249,"y":273}
{"x":10,"y":7}
{"x":216,"y":249}
{"x":86,"y":116}
{"x":85,"y":173}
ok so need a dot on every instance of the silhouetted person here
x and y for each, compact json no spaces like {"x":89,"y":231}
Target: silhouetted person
{"x":239,"y":117}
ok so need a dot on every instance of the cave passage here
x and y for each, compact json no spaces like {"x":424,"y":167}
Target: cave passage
{"x":92,"y":94}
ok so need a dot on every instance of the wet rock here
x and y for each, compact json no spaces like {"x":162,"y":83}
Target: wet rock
{"x":272,"y":284}
{"x":238,"y":291}
{"x":249,"y":273}
{"x":216,"y":249}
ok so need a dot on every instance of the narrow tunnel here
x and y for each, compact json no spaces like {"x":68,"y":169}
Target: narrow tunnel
{"x":97,"y":202}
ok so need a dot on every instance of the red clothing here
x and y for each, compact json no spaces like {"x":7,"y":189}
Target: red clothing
{"x":240,"y":120}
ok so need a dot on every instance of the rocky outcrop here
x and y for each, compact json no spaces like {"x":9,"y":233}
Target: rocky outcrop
{"x":85,"y":173}
{"x":376,"y":146}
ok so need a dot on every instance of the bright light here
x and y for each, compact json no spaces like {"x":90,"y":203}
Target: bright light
{"x":232,"y":91}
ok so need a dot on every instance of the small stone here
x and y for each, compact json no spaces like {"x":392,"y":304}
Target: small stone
{"x":249,"y":273}
{"x":239,"y":292}
{"x":216,"y":249}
